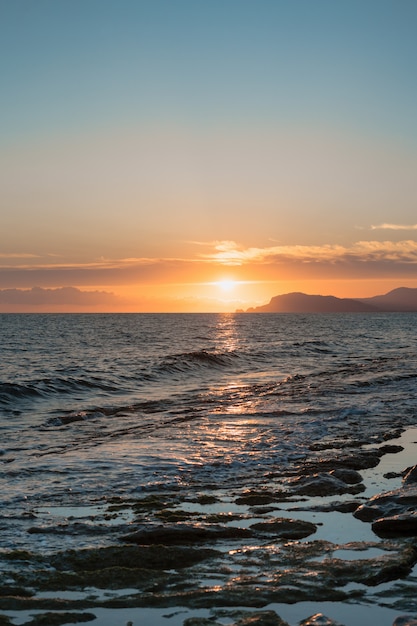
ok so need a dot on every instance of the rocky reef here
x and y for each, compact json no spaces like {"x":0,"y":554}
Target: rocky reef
{"x":250,"y":547}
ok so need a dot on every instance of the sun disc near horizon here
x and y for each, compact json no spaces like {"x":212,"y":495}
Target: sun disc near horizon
{"x":226,"y":284}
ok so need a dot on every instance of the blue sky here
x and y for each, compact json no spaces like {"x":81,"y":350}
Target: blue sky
{"x":152,"y":131}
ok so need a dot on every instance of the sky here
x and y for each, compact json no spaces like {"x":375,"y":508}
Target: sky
{"x":205,"y":155}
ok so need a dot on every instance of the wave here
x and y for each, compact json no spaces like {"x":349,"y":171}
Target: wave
{"x":45,"y":387}
{"x":188,"y":361}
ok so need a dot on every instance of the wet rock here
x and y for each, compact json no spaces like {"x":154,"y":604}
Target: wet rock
{"x":318,"y":620}
{"x":200,"y":621}
{"x":262,"y":618}
{"x":322,"y":484}
{"x":390,"y":449}
{"x":393,"y":512}
{"x":393,"y":569}
{"x":347,"y":506}
{"x":183,"y":534}
{"x":410,"y":476}
{"x":130,"y":557}
{"x":286,"y":528}
{"x":405,"y":620}
{"x":390,"y":475}
{"x":259,"y":498}
{"x":354,"y":459}
{"x":57,"y":619}
{"x":349,"y":476}
{"x":258,"y":618}
{"x":404,"y":525}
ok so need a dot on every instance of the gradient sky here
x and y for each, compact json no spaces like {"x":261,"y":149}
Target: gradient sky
{"x":204,"y":155}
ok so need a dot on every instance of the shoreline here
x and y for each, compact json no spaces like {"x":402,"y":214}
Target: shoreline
{"x":353,"y":538}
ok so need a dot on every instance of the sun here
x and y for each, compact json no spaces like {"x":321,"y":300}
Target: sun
{"x":226,"y":285}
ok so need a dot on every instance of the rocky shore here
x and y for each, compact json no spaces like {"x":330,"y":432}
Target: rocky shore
{"x":235,"y":553}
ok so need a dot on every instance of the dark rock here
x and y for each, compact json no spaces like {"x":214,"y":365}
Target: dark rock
{"x":349,"y":476}
{"x":200,"y":621}
{"x":183,"y":533}
{"x":321,"y":485}
{"x":390,"y":475}
{"x":261,"y":497}
{"x":390,"y":449}
{"x":129,"y":557}
{"x":57,"y":619}
{"x":410,"y":476}
{"x":318,"y":620}
{"x":286,"y":528}
{"x":355,"y":459}
{"x":398,"y":505}
{"x":345,"y":507}
{"x":405,"y":620}
{"x":404,"y":525}
{"x":259,"y":618}
{"x":262,"y":618}
{"x":342,"y":507}
{"x":366,"y":513}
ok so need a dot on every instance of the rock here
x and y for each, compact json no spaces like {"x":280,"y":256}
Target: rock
{"x":393,"y":512}
{"x":261,"y":497}
{"x":200,"y":621}
{"x":355,"y":459}
{"x":404,"y":525}
{"x":58,"y":619}
{"x":405,"y":620}
{"x":366,"y":513}
{"x":410,"y":476}
{"x":286,"y":528}
{"x":323,"y":484}
{"x":349,"y":476}
{"x":258,"y":618}
{"x":318,"y":620}
{"x":262,"y":618}
{"x":184,"y":534}
{"x":389,"y":448}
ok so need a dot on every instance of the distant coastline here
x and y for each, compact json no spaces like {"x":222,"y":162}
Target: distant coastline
{"x":400,"y":300}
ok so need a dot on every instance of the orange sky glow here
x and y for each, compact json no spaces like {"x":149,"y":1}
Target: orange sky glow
{"x":143,"y":169}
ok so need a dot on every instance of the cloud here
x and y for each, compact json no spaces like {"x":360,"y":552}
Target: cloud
{"x":17,"y":255}
{"x":379,"y":259}
{"x":230,"y":253}
{"x":37,"y":296}
{"x":394,"y":227}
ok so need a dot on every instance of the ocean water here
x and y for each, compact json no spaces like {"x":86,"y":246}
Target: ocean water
{"x":102,"y":408}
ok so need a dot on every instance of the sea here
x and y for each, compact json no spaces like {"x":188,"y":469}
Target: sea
{"x":101,"y":411}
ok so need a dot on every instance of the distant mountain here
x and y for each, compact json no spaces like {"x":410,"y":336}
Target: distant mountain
{"x":402,"y":299}
{"x":399,"y":300}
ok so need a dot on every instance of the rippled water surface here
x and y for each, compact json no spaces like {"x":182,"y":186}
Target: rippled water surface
{"x":98,"y":406}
